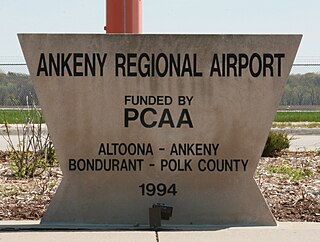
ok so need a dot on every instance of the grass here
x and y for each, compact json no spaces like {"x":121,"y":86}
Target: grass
{"x":290,"y":172}
{"x":297,"y":117}
{"x":18,"y":116}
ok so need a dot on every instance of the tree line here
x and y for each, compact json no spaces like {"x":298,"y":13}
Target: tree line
{"x":302,"y":89}
{"x":17,"y":90}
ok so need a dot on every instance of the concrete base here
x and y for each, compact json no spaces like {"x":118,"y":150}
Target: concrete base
{"x":32,"y":231}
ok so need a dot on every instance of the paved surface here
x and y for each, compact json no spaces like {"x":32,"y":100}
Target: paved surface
{"x":304,"y":142}
{"x":309,"y":232}
{"x":16,"y":132}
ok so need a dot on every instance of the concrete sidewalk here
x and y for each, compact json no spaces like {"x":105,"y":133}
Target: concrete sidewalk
{"x":26,"y":231}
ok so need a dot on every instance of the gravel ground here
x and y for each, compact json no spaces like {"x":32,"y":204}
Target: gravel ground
{"x":290,"y":184}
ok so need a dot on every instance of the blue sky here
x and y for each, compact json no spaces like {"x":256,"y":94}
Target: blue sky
{"x":165,"y":16}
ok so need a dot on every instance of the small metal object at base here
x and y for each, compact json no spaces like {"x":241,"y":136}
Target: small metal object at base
{"x":166,"y":210}
{"x":158,"y":212}
{"x":155,"y":217}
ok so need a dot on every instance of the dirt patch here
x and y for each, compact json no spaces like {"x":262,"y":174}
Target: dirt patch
{"x":25,"y":199}
{"x":290,"y":184}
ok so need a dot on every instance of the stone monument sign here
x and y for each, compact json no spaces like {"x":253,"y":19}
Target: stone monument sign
{"x":144,"y":119}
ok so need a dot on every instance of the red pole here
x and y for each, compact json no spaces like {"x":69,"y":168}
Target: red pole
{"x":124,"y":16}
